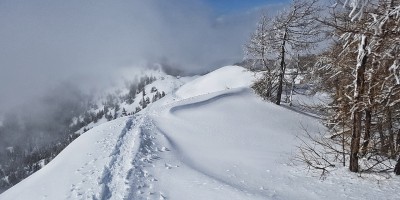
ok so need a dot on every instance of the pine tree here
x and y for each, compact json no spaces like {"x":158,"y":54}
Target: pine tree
{"x":143,"y":102}
{"x":124,"y":112}
{"x":115,"y":114}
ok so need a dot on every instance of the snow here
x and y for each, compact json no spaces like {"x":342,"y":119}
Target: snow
{"x":210,"y":139}
{"x":227,"y":156}
{"x":221,"y":79}
{"x":163,"y":83}
{"x":394,"y":68}
{"x":357,"y":8}
{"x":78,"y":171}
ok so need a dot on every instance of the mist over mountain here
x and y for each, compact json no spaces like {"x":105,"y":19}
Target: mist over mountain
{"x":45,"y":42}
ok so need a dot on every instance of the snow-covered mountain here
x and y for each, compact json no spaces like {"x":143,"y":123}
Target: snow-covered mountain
{"x":211,"y":138}
{"x":129,"y":96}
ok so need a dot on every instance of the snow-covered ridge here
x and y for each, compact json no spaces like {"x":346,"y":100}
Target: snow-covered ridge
{"x":221,"y":79}
{"x":128,"y":96}
{"x":212,"y":138}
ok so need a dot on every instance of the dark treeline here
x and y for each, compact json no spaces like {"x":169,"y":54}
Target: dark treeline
{"x":37,"y":131}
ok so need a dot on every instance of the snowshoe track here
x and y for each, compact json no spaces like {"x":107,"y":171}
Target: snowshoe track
{"x":140,"y":177}
{"x":114,"y":178}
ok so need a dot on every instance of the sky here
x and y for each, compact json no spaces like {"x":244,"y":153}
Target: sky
{"x":231,"y":6}
{"x":45,"y":42}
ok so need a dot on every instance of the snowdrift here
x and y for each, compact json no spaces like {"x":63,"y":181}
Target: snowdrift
{"x":220,"y":79}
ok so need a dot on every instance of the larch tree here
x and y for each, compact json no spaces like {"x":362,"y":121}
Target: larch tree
{"x":259,"y":49}
{"x":278,"y":39}
{"x":376,"y":87}
{"x":364,"y":66}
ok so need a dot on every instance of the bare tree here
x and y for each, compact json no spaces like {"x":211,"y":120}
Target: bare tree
{"x":363,"y":70}
{"x":293,"y":30}
{"x":259,"y":49}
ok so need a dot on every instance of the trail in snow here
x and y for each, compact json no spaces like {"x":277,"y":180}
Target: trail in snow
{"x":140,"y":179}
{"x":95,"y":166}
{"x":112,"y":181}
{"x":113,"y":178}
{"x":302,"y":112}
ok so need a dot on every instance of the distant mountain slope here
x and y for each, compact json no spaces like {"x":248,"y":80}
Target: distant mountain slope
{"x":212,"y":138}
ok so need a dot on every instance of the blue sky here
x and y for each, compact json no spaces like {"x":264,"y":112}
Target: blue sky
{"x":228,"y":6}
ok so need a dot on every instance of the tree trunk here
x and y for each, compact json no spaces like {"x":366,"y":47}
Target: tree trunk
{"x":382,"y":140}
{"x":282,"y":71}
{"x":355,"y":142}
{"x":367,"y":134}
{"x":291,"y":93}
{"x":397,"y":167}
{"x":343,"y":145}
{"x":398,"y":141}
{"x":357,"y":113}
{"x":370,"y":107}
{"x":390,"y":142}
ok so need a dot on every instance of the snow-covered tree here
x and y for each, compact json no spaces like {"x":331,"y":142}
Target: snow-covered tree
{"x":124,"y":113}
{"x":277,"y":40}
{"x":363,"y":70}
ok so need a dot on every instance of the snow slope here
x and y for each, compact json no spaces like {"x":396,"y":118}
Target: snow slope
{"x":81,"y":170}
{"x":211,"y":139}
{"x":221,"y":79}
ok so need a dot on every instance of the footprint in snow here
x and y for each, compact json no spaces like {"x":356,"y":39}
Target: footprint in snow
{"x":162,"y":197}
{"x":168,"y":166}
{"x":163,"y":149}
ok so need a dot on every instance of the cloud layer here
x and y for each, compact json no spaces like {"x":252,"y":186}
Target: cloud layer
{"x":48,"y":41}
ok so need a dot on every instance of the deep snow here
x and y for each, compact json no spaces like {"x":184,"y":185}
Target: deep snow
{"x":210,"y":139}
